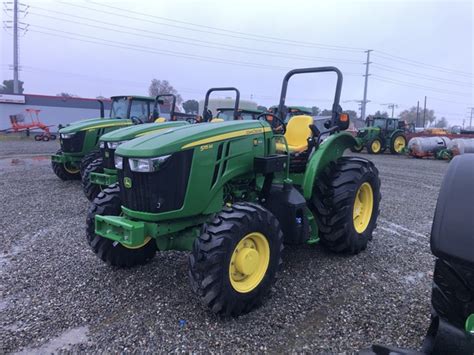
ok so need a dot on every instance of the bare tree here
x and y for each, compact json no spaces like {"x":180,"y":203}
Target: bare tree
{"x":159,"y":87}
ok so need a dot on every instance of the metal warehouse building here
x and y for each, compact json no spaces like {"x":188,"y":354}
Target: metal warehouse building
{"x":53,"y":110}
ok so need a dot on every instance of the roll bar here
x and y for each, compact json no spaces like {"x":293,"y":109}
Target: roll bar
{"x":102,"y":111}
{"x":211,"y":90}
{"x":157,"y":101}
{"x":337,"y":95}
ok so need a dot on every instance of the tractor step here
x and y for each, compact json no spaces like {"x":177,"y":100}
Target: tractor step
{"x":103,"y":179}
{"x":120,"y":229}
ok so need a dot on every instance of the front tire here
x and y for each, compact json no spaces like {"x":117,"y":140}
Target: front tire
{"x":113,"y":253}
{"x":375,"y":146}
{"x":234,"y":262}
{"x":65,"y":171}
{"x":346,"y":201}
{"x":92,"y":190}
{"x":87,"y":159}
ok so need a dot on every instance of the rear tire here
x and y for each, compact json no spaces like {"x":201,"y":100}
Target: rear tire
{"x":113,"y":253}
{"x":87,"y":159}
{"x":92,"y":190}
{"x":215,"y":263}
{"x":398,"y":143}
{"x":345,"y":221}
{"x":64,"y":171}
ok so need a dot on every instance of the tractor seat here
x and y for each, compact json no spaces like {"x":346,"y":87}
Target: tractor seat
{"x":216,"y":120}
{"x":160,"y":120}
{"x":297,"y":134}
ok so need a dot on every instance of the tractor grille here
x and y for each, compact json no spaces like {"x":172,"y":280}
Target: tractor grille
{"x":361,"y":133}
{"x":107,"y":155}
{"x":160,"y":191}
{"x":73,"y":144}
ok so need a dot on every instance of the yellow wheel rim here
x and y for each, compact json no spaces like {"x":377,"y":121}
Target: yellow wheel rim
{"x":363,"y":207}
{"x":399,"y":144}
{"x":145,"y":242}
{"x":376,"y":146}
{"x":70,"y":169}
{"x":249,"y":262}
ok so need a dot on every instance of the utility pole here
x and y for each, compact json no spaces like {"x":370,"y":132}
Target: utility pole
{"x":391,"y":106}
{"x":364,"y":100}
{"x":470,"y":120}
{"x":417,"y":114}
{"x":424,"y":114}
{"x":16,"y":89}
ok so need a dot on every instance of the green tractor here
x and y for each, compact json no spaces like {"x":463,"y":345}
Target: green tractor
{"x":232,"y":194}
{"x":381,"y":133}
{"x":101,"y":172}
{"x":80,"y":140}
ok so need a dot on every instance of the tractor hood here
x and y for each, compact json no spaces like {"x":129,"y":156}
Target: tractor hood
{"x":189,"y":136}
{"x":365,"y":130}
{"x":131,"y":132}
{"x":94,"y":123}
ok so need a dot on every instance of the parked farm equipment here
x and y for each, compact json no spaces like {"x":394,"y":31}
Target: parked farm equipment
{"x":233,"y":193}
{"x":451,"y":330}
{"x":80,"y":140}
{"x":442,"y":148}
{"x":18,"y":124}
{"x":101,"y":172}
{"x":381,"y":133}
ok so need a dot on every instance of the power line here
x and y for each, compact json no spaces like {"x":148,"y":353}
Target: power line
{"x":123,"y":45}
{"x":188,"y":41}
{"x":423,"y":76}
{"x":416,"y":86}
{"x":421,"y":64}
{"x":211,"y":29}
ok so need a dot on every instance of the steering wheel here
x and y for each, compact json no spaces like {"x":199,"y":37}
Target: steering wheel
{"x":281,"y":129}
{"x":191,"y":120}
{"x":136,"y":120}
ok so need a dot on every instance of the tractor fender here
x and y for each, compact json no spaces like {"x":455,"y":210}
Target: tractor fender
{"x":396,"y":132}
{"x":329,"y":150}
{"x":451,"y":234}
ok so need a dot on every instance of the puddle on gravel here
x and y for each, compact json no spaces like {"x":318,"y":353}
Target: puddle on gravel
{"x":64,"y":342}
{"x":413,"y":278}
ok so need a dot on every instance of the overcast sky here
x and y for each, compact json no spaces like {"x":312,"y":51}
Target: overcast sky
{"x":91,"y":48}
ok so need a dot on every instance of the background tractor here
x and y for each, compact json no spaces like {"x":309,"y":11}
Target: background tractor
{"x":381,"y":133}
{"x":233,"y":193}
{"x":80,"y":140}
{"x":101,"y":172}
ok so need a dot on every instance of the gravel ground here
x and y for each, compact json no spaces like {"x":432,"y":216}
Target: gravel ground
{"x":56,"y":294}
{"x":13,"y":146}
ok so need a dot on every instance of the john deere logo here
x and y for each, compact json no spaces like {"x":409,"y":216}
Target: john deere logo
{"x":127,"y":182}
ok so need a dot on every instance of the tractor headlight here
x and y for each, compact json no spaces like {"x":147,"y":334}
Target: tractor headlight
{"x":147,"y":165}
{"x":67,"y":135}
{"x":118,"y":162}
{"x":102,"y":145}
{"x":113,"y":145}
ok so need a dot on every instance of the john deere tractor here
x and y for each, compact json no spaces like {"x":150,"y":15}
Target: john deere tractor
{"x":101,"y":172}
{"x":80,"y":140}
{"x":233,"y":193}
{"x":381,"y":133}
